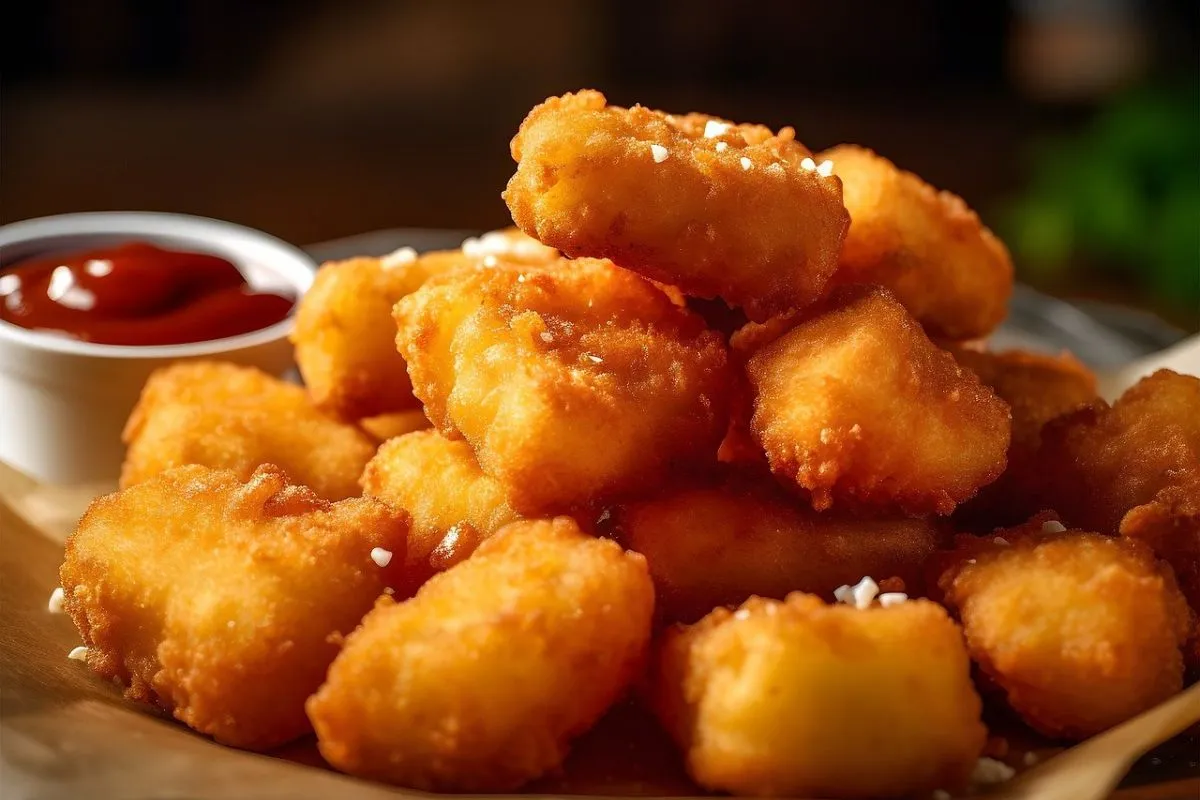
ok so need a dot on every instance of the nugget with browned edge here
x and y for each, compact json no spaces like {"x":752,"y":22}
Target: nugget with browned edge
{"x":716,"y":209}
{"x":572,"y":382}
{"x":855,"y":405}
{"x":215,"y":600}
{"x":801,"y":699}
{"x":480,"y":682}
{"x":718,"y":543}
{"x":225,"y":416}
{"x":1081,"y":631}
{"x":453,"y":505}
{"x":1038,"y":388}
{"x":345,"y":338}
{"x":1102,"y":462}
{"x":926,"y":246}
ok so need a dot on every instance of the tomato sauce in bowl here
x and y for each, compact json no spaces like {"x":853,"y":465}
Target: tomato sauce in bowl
{"x":136,"y":293}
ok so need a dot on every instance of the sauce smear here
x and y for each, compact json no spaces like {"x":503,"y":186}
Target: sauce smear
{"x":136,"y":294}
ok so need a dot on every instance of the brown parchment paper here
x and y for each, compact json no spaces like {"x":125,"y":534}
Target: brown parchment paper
{"x":66,"y":733}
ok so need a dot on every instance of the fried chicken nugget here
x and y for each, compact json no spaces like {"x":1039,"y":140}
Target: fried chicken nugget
{"x":453,"y":505}
{"x":344,"y":337}
{"x":800,"y":699}
{"x":926,"y":246}
{"x":715,"y":545}
{"x":225,"y":416}
{"x":480,"y":681}
{"x":1038,"y":388}
{"x":857,"y":406}
{"x":1134,"y":468}
{"x":572,"y":382}
{"x":716,"y":209}
{"x":215,"y":599}
{"x":1082,"y":631}
{"x":1102,"y":462}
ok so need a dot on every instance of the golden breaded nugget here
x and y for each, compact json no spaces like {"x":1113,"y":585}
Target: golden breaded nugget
{"x":389,"y":426}
{"x":857,"y":406}
{"x":224,"y":416}
{"x":1081,"y":631}
{"x":1100,"y":463}
{"x":718,"y":544}
{"x":453,"y":505}
{"x":215,"y":599}
{"x":926,"y":246}
{"x":345,"y":338}
{"x":479,"y":682}
{"x":800,"y":699}
{"x":572,"y":382}
{"x":717,"y":209}
{"x":1038,"y":388}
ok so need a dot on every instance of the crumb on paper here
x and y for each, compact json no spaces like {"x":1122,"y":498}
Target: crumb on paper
{"x":864,"y":593}
{"x":988,"y":771}
{"x":55,"y":606}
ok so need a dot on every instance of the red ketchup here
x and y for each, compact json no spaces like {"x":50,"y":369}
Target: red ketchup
{"x":136,"y":294}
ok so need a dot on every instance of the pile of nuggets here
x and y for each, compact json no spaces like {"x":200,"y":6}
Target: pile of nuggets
{"x":656,"y":441}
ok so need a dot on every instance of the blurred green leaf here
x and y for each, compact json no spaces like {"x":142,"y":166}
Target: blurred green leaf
{"x":1125,"y":192}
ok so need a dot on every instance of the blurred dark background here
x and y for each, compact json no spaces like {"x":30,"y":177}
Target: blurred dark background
{"x":1072,"y":126}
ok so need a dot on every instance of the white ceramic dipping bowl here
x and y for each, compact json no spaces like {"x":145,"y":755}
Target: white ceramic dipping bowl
{"x":64,"y":402}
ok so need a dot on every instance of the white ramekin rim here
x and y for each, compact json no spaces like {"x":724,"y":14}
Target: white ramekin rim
{"x":296,"y":266}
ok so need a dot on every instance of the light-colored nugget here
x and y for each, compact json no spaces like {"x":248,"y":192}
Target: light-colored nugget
{"x":480,"y":682}
{"x":345,"y":338}
{"x":453,"y":505}
{"x":224,"y":416}
{"x":857,"y":406}
{"x":801,"y":699}
{"x":1081,"y":631}
{"x":714,"y":208}
{"x":215,"y":599}
{"x":926,"y":246}
{"x":572,"y":382}
{"x":718,"y":544}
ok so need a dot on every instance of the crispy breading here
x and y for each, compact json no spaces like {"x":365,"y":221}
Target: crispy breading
{"x":453,"y":505}
{"x":215,"y":599}
{"x":345,"y":338}
{"x":224,"y":416}
{"x":1038,"y":388}
{"x":926,"y":246}
{"x":718,"y":543}
{"x":389,"y":426}
{"x":855,"y":405}
{"x":717,"y":209}
{"x":1101,"y":462}
{"x":800,"y":699}
{"x":480,"y":682}
{"x":572,"y":382}
{"x":1082,"y":631}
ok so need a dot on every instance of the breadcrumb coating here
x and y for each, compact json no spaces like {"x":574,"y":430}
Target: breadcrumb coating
{"x":215,"y":599}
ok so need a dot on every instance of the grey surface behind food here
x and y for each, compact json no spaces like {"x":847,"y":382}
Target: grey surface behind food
{"x":1101,"y":335}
